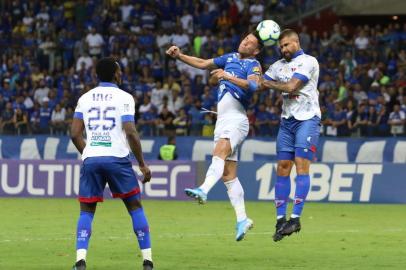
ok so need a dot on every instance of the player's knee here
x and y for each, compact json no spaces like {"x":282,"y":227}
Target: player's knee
{"x":132,"y":203}
{"x":88,"y":207}
{"x":302,"y":165}
{"x":228,"y":177}
{"x":284,"y":168}
{"x":223,"y":149}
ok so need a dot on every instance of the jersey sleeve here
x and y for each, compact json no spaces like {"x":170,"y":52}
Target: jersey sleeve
{"x":270,"y":73}
{"x":78,"y":111}
{"x":127,"y":109}
{"x":254,"y":69}
{"x":305,"y":70}
{"x":221,"y":61}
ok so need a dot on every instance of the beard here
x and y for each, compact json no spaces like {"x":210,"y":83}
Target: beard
{"x":287,"y":56}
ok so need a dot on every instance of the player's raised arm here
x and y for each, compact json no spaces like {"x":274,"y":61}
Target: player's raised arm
{"x":196,"y":62}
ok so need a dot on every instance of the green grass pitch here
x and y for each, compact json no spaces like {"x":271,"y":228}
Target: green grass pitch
{"x":40,"y":234}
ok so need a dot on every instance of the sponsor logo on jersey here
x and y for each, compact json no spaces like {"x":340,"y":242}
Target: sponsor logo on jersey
{"x":256,"y":70}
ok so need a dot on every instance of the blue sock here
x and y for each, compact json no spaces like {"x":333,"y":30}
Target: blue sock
{"x":141,"y":228}
{"x":84,"y":229}
{"x":282,"y":191}
{"x":302,"y":189}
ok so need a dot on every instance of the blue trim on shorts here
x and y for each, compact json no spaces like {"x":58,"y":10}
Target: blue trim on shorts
{"x":304,"y":153}
{"x":284,"y":155}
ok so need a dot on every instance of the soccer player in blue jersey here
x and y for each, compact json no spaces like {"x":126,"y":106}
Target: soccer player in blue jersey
{"x":238,"y":75}
{"x":106,"y":113}
{"x":296,"y":75}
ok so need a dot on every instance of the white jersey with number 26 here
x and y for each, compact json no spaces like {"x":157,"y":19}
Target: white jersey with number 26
{"x":303,"y":104}
{"x":103,"y":110}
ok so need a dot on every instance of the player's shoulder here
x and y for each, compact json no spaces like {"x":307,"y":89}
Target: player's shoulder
{"x":230,"y":55}
{"x":308,"y":58}
{"x":253,"y":61}
{"x":86,"y":95}
{"x":126,"y":95}
{"x":278,"y":63}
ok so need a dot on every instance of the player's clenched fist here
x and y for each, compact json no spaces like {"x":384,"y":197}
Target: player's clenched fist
{"x":173,"y":51}
{"x":147,"y":174}
{"x":218,"y":74}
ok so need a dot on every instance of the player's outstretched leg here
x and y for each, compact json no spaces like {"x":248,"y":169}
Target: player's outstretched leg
{"x":236,"y":194}
{"x":282,"y":191}
{"x":214,"y":173}
{"x":302,"y":189}
{"x":83,"y":232}
{"x":197,"y":194}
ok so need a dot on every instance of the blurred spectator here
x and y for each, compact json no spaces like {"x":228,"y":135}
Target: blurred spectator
{"x":44,"y":116}
{"x":397,"y":121}
{"x":195,"y":119}
{"x":165,"y":122}
{"x":95,"y":43}
{"x":181,"y":123}
{"x":20,"y":121}
{"x":58,"y":120}
{"x":208,"y":125}
{"x":256,"y":12}
{"x":7,"y":120}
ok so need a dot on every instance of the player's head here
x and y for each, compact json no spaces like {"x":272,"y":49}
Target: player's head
{"x":108,"y":70}
{"x":250,"y":46}
{"x":289,"y":43}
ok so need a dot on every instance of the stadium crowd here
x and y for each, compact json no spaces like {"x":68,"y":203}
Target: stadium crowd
{"x":48,"y":54}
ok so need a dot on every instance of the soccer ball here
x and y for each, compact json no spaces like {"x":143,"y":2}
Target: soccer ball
{"x":268,"y":31}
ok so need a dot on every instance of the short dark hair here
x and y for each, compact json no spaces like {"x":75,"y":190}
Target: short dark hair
{"x":260,"y":43}
{"x":287,"y":33}
{"x":106,"y":68}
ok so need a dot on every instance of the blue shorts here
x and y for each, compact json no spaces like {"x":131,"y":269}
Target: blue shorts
{"x":298,"y":138}
{"x":117,"y":172}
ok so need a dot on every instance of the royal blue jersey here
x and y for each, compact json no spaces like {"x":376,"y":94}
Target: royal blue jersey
{"x":239,"y":68}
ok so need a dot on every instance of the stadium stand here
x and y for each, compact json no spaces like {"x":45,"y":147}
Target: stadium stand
{"x":48,"y":54}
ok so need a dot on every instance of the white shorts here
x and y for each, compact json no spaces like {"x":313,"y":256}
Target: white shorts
{"x":236,"y":130}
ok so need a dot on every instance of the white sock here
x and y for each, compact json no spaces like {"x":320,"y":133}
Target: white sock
{"x":81,"y":254}
{"x":214,"y":173}
{"x":294,"y":216}
{"x":146,"y":254}
{"x":236,"y":194}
